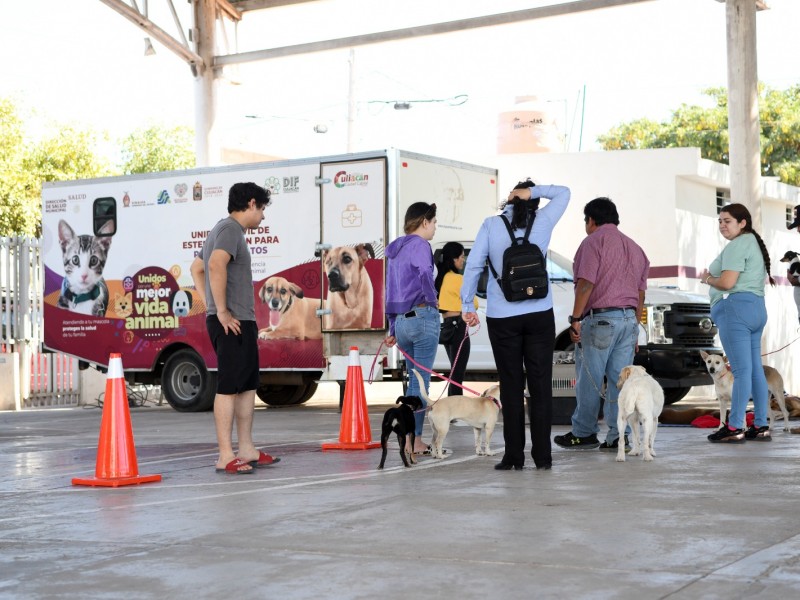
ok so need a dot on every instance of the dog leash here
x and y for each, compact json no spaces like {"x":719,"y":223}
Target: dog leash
{"x":783,"y":348}
{"x":439,"y":375}
{"x":600,"y":393}
{"x":455,"y":360}
{"x":419,"y":366}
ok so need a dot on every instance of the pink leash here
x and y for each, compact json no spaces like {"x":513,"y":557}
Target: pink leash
{"x":432,"y":372}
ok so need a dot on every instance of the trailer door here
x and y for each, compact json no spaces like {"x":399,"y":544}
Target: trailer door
{"x":353,"y":235}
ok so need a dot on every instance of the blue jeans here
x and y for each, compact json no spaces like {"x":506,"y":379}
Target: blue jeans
{"x":418,"y":337}
{"x":741,"y":318}
{"x":608,"y":343}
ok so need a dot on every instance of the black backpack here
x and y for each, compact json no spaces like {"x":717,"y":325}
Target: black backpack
{"x":524,"y":268}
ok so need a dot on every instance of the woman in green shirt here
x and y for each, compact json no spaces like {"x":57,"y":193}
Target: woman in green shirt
{"x":736,"y":279}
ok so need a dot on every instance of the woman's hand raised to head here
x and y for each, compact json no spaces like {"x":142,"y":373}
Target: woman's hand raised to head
{"x":522,"y":194}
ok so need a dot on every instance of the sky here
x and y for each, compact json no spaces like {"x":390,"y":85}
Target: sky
{"x":80,"y":62}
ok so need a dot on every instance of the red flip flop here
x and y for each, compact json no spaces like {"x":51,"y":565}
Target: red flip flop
{"x":264,"y":460}
{"x":235,"y":468}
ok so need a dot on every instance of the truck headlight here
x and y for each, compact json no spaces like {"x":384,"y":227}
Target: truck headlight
{"x":654,"y":324}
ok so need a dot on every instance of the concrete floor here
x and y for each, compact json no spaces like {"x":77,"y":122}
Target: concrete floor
{"x":702,"y":521}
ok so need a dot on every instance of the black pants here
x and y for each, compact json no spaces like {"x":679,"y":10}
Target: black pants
{"x":523,"y":352}
{"x":457,"y":370}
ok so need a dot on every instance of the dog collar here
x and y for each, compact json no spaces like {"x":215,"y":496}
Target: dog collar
{"x":78,"y":298}
{"x":496,"y":401}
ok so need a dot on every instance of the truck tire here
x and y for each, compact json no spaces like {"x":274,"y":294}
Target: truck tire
{"x":673,"y":395}
{"x":186,"y":383}
{"x":311,"y":389}
{"x":286,"y":395}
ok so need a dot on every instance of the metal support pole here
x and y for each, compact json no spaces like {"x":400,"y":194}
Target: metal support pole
{"x":206,"y":144}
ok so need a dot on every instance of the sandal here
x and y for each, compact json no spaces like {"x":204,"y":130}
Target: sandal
{"x":235,"y":468}
{"x":264,"y":460}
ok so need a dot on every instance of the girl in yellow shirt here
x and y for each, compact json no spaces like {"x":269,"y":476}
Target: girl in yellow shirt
{"x":448,"y":287}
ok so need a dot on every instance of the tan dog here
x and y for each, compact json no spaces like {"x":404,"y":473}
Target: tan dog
{"x":792,"y":406}
{"x":480,"y":413}
{"x":291,"y":316}
{"x":641,"y":399}
{"x":349,"y":287}
{"x":723,"y":384}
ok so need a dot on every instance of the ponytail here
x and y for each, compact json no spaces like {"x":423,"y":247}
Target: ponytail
{"x":765,"y":254}
{"x":524,"y":211}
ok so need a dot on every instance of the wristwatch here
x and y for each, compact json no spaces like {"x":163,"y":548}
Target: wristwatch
{"x":575,"y":319}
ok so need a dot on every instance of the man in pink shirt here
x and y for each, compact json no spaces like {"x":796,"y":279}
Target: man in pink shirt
{"x":610,"y":281}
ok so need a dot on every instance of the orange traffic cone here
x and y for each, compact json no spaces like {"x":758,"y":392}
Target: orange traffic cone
{"x":354,"y":431}
{"x":116,"y":453}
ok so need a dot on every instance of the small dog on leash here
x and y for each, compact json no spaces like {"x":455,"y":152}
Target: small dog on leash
{"x":400,"y":419}
{"x":723,"y":384}
{"x":641,"y":399}
{"x":480,"y":413}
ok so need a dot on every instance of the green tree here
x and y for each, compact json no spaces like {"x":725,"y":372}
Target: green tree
{"x":707,"y":129}
{"x":156,"y":148}
{"x":68,"y":153}
{"x":12,"y":176}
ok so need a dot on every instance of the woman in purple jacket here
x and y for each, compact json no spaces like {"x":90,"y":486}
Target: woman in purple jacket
{"x":411,"y":305}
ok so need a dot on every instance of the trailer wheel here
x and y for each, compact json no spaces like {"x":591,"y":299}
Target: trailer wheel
{"x":187,"y":385}
{"x":311,"y":389}
{"x":281,"y":395}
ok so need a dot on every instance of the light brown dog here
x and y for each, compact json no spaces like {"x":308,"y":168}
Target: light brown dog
{"x":349,"y":297}
{"x":640,"y":400}
{"x":291,"y":315}
{"x":723,"y":384}
{"x":792,"y":406}
{"x":480,"y":413}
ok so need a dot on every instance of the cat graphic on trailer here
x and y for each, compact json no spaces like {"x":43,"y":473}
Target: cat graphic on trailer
{"x":84,"y":290}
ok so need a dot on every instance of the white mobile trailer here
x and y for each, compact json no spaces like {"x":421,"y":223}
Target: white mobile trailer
{"x":127,"y":244}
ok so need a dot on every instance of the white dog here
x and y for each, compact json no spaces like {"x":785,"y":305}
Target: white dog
{"x":480,"y":413}
{"x":640,"y":399}
{"x":723,"y":384}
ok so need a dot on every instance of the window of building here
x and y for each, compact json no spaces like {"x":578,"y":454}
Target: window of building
{"x":723,"y":199}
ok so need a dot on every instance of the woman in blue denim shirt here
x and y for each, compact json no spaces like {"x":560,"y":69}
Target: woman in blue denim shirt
{"x":522,"y":334}
{"x":736,"y":279}
{"x":411,"y":305}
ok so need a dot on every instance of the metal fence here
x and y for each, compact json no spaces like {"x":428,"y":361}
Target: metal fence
{"x":45,"y":379}
{"x":54,"y":381}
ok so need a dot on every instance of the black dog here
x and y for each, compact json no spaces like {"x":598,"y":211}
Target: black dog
{"x":793,"y":258}
{"x":400,"y":419}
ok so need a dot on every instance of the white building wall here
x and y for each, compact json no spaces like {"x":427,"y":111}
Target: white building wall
{"x":667,"y":202}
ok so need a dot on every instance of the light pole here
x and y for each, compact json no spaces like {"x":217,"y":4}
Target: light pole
{"x":564,"y":100}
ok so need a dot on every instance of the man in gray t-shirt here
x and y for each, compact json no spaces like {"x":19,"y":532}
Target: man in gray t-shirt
{"x":228,"y":236}
{"x":224,"y":280}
